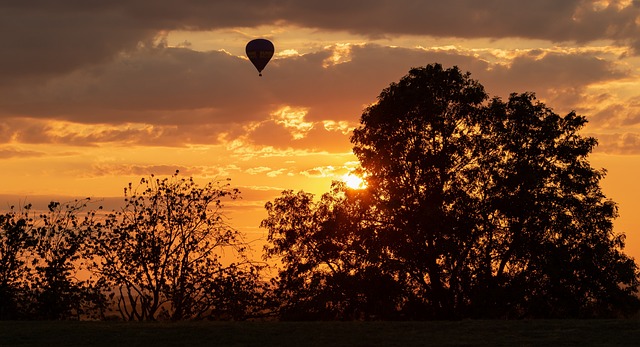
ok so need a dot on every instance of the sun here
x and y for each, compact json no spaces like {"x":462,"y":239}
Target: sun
{"x":352,"y":181}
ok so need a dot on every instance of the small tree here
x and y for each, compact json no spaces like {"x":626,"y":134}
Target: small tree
{"x":60,"y":239}
{"x":162,"y":254}
{"x":15,"y":241}
{"x":41,"y":260}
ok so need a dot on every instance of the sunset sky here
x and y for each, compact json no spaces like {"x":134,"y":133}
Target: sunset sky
{"x":97,"y":94}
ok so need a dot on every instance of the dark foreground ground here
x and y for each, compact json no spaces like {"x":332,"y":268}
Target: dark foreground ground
{"x":462,"y":333}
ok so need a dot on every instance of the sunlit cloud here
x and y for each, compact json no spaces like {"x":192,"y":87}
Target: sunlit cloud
{"x":342,"y":126}
{"x":279,"y":172}
{"x":223,"y":171}
{"x":265,"y":188}
{"x":341,"y":53}
{"x":245,"y":151}
{"x":319,"y":171}
{"x":288,"y":53}
{"x":293,"y":120}
{"x":83,"y":134}
{"x":618,"y":5}
{"x":258,"y":170}
{"x":104,"y":169}
{"x":331,"y":171}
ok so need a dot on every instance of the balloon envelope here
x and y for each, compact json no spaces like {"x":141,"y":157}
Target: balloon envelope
{"x":260,"y":51}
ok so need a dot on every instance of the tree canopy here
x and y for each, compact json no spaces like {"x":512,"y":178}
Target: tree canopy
{"x":328,"y":270}
{"x":474,"y":207}
{"x":41,"y":257}
{"x":162,"y":254}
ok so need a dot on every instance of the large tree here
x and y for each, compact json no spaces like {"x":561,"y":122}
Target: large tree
{"x":418,"y":147}
{"x":492,"y":207}
{"x":549,"y":244}
{"x":477,"y":207}
{"x":162,"y":254}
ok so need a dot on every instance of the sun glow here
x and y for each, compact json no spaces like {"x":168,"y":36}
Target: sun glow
{"x":354,"y":182}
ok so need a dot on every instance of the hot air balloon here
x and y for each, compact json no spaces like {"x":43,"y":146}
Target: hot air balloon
{"x":260,"y":52}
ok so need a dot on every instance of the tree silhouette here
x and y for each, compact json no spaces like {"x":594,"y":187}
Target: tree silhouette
{"x":474,"y":207}
{"x":162,"y":254}
{"x":553,"y":249}
{"x":60,"y":249}
{"x":40,"y":259}
{"x":418,"y":147}
{"x":15,"y":241}
{"x":328,"y":272}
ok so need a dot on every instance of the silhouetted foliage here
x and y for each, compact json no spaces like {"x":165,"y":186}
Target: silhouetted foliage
{"x":327,"y":271}
{"x":162,"y":254}
{"x":40,"y":258}
{"x":548,"y":236}
{"x":473,"y":208}
{"x":15,"y":241}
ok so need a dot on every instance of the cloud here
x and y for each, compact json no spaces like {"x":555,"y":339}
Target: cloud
{"x":152,"y":84}
{"x":257,"y":170}
{"x":276,"y":173}
{"x":620,"y":143}
{"x":13,"y":152}
{"x":319,"y":171}
{"x":41,"y":39}
{"x":556,"y":21}
{"x":319,"y":138}
{"x":171,"y":86}
{"x":166,"y":96}
{"x":555,"y":71}
{"x":45,"y":39}
{"x":102,"y":73}
{"x":125,"y":170}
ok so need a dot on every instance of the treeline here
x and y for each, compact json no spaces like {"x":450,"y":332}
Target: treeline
{"x":474,"y":207}
{"x":159,"y":257}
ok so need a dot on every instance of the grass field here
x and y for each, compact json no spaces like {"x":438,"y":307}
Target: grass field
{"x":462,"y":333}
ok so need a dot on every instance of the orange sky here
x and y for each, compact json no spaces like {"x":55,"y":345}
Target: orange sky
{"x":94,"y":95}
